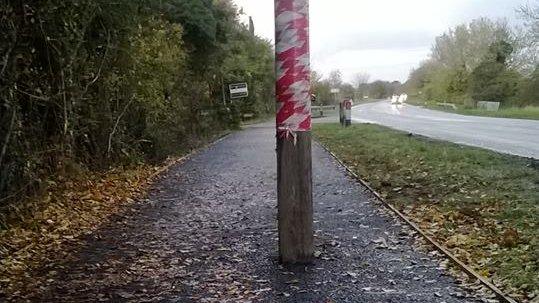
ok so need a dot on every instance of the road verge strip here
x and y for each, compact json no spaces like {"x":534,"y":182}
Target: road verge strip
{"x":499,"y":294}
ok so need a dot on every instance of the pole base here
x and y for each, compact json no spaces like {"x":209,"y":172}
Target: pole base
{"x":295,"y":199}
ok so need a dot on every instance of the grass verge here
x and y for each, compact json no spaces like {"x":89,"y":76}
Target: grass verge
{"x":482,"y":205}
{"x":528,"y":112}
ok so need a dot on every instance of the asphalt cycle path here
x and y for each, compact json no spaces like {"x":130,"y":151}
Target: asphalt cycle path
{"x":207,"y":232}
{"x":513,"y":136}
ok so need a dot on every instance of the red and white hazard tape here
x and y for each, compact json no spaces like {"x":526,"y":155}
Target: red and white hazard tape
{"x":292,"y":67}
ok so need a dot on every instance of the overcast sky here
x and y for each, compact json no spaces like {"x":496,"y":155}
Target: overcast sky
{"x":385,"y":38}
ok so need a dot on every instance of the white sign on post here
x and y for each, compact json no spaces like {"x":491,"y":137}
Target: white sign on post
{"x":238,"y":90}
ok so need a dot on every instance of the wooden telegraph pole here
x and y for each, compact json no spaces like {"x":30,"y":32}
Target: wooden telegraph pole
{"x":294,"y":164}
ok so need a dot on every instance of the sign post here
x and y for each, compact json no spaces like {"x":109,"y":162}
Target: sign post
{"x":294,"y":163}
{"x":341,"y":113}
{"x":238,"y":90}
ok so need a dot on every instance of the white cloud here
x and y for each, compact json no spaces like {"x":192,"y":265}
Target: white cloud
{"x":385,"y":38}
{"x":387,"y":64}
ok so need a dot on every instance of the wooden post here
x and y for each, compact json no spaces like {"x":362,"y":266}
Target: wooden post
{"x":294,"y":163}
{"x":295,"y":206}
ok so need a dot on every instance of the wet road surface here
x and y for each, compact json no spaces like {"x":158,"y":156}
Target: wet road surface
{"x":513,"y":136}
{"x":207,"y":233}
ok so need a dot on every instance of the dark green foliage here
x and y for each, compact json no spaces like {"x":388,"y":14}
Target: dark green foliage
{"x":529,"y":90}
{"x":378,"y":90}
{"x":205,"y":25}
{"x":197,"y":18}
{"x":492,"y":80}
{"x":89,"y":84}
{"x":458,"y":82}
{"x":500,"y":51}
{"x":383,"y":89}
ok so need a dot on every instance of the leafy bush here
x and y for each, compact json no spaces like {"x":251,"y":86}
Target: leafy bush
{"x":94,"y":83}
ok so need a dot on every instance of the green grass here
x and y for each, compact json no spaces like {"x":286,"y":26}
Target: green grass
{"x":482,"y":204}
{"x":528,"y":112}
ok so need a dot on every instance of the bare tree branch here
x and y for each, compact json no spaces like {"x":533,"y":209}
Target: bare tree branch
{"x":8,"y":53}
{"x":42,"y":98}
{"x":115,"y":128}
{"x":7,"y":138}
{"x":100,"y":66}
{"x":6,"y":60}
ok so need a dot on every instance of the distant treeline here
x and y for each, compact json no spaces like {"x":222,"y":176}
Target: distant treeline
{"x":90,"y":84}
{"x":482,"y":61}
{"x":360,"y":88}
